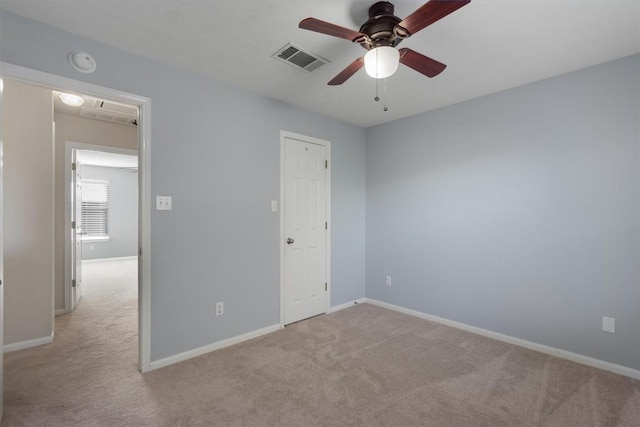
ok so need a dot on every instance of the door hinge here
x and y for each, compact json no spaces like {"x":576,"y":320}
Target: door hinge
{"x":326,"y":225}
{"x":73,"y":166}
{"x":73,"y":225}
{"x":325,"y":287}
{"x":73,"y":283}
{"x":326,"y":164}
{"x":140,"y":251}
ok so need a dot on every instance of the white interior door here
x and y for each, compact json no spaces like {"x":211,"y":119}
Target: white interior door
{"x":305,"y":230}
{"x":76,"y":230}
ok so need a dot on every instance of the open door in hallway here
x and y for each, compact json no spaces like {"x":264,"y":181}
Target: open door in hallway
{"x":76,"y":231}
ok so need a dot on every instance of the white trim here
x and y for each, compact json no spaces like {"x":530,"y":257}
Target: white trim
{"x":21,"y":345}
{"x":2,"y":310}
{"x":281,"y":213}
{"x":53,"y":229}
{"x":95,"y":239}
{"x":53,"y":81}
{"x":552,"y":351}
{"x":60,"y":312}
{"x":330,"y":226}
{"x":346,"y":305}
{"x":96,"y":147}
{"x":144,"y":236}
{"x":120,"y":258}
{"x":327,"y":144}
{"x":161,"y":363}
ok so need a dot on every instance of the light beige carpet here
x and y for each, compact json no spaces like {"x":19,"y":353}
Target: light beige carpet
{"x":363,"y":366}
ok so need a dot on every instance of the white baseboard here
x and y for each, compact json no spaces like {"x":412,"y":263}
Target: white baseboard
{"x":122,"y":258}
{"x":60,"y":311}
{"x":346,"y":305}
{"x":161,"y":363}
{"x":563,"y":354}
{"x":21,"y":345}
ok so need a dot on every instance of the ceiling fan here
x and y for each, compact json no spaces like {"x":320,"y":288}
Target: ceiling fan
{"x":382,"y":32}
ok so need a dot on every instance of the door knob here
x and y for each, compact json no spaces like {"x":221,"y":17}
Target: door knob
{"x":289,"y":241}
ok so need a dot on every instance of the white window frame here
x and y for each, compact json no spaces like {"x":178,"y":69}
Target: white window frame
{"x":98,"y":238}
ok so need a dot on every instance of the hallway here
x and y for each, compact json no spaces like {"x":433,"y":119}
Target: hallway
{"x":94,"y":353}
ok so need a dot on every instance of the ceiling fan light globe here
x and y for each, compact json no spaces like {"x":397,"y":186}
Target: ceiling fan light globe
{"x":381,"y":62}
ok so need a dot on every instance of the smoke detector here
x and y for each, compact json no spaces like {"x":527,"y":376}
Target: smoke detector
{"x":82,"y":62}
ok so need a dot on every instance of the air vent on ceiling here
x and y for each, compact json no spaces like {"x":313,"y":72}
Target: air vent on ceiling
{"x":127,"y":110}
{"x":299,"y":58}
{"x":110,"y":112}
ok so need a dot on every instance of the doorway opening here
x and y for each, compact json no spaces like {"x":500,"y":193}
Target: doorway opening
{"x":142,"y":130}
{"x":101,"y":212}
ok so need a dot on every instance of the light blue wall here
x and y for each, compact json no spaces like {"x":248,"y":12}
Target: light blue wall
{"x":216,"y":150}
{"x":517,"y":212}
{"x":123,"y":213}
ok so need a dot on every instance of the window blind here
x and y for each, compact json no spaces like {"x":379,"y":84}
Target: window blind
{"x":95,"y":208}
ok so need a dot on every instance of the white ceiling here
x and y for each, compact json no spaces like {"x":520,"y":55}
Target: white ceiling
{"x":488,"y":45}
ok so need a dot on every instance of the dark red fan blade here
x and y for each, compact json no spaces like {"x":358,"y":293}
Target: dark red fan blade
{"x":323,"y":27}
{"x":422,"y":64}
{"x":344,"y":75}
{"x":429,"y":13}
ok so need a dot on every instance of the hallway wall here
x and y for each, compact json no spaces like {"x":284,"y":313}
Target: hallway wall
{"x":28,"y":214}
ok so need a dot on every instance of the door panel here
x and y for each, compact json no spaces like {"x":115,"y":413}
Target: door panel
{"x":304,"y":224}
{"x":76,"y":233}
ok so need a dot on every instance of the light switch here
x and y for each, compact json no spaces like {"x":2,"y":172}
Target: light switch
{"x":163,"y":203}
{"x":609,"y":324}
{"x":274,"y":206}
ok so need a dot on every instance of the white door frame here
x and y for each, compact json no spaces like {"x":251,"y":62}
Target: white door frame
{"x":327,"y":144}
{"x":1,"y":256}
{"x":69,"y":146}
{"x":55,"y":82}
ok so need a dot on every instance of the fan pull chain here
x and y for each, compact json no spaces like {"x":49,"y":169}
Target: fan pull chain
{"x":377,"y":98}
{"x":385,"y":96}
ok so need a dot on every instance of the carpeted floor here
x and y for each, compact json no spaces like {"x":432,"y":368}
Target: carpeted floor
{"x":363,"y":366}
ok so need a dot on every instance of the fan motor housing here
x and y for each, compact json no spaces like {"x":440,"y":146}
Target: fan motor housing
{"x":380,"y":26}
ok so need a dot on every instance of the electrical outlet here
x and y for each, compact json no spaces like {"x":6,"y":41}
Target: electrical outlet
{"x":608,"y":324}
{"x":219,"y":308}
{"x":163,"y":203}
{"x":387,"y":280}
